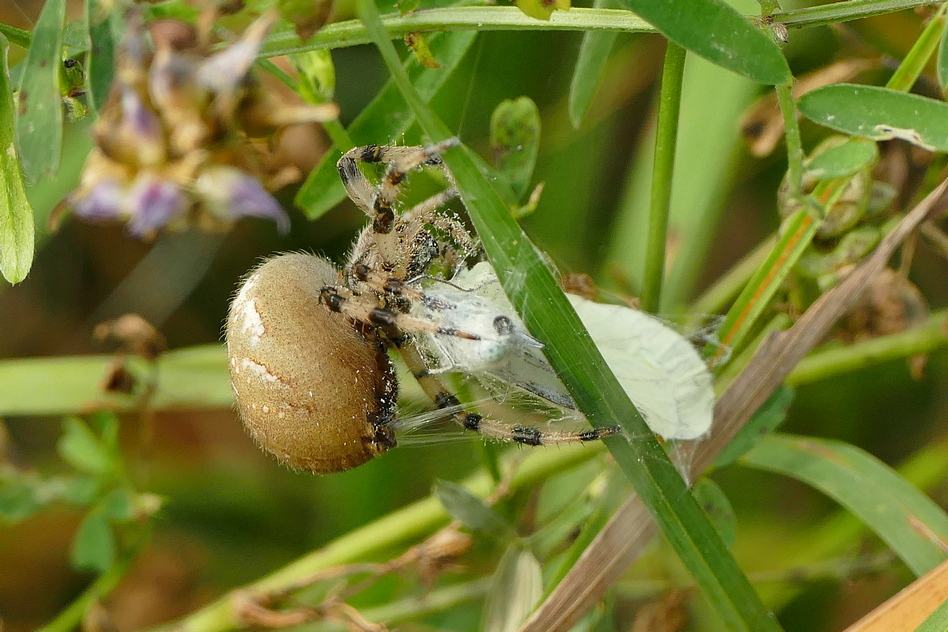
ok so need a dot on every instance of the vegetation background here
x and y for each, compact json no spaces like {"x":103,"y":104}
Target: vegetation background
{"x":230,"y":514}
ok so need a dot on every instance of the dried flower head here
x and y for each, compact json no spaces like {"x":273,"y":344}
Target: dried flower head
{"x":175,"y":143}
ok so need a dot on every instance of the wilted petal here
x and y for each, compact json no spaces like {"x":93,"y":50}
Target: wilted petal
{"x":229,"y":193}
{"x":103,"y":201}
{"x":222,"y":73}
{"x":140,"y":130}
{"x":153,"y":203}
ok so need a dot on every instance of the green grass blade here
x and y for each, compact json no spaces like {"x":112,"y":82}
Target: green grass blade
{"x":937,"y":621}
{"x":384,"y":120}
{"x":531,"y":287}
{"x":593,"y":54}
{"x":16,"y":214}
{"x":797,"y":233}
{"x":917,"y":58}
{"x":903,"y":517}
{"x":39,"y":106}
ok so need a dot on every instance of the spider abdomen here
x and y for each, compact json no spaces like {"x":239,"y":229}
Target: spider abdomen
{"x":311,"y":388}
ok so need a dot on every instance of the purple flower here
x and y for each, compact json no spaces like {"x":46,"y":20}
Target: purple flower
{"x":229,"y":193}
{"x":103,"y":201}
{"x":153,"y":203}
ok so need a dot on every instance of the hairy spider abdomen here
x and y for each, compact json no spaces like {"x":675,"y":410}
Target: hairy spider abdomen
{"x":312,"y":389}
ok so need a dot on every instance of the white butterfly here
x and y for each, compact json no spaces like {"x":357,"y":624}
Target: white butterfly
{"x":660,"y":370}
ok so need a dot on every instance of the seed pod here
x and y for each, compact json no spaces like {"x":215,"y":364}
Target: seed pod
{"x":313,"y":388}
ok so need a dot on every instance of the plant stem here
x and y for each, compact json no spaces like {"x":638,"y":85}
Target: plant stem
{"x":828,"y":363}
{"x":791,"y":127}
{"x":72,"y":616}
{"x":836,"y":12}
{"x":415,"y":608}
{"x":666,"y":139}
{"x":353,"y":32}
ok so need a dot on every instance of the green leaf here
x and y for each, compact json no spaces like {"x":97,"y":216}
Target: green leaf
{"x":39,"y":105}
{"x":715,"y":31}
{"x":842,"y":160}
{"x":93,"y":547}
{"x":100,"y":58}
{"x":547,"y":313}
{"x":473,"y":512}
{"x":515,"y":141}
{"x":107,"y":425}
{"x":386,"y":118}
{"x":515,"y":592}
{"x":903,"y":517}
{"x":18,"y":499}
{"x":16,"y":214}
{"x":83,"y":490}
{"x":16,"y":36}
{"x":716,"y":505}
{"x":879,"y":114}
{"x":593,"y":54}
{"x":767,"y":418}
{"x":82,"y":449}
{"x":119,"y":505}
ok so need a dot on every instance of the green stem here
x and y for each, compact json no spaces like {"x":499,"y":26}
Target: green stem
{"x":353,"y":32}
{"x":70,"y":618}
{"x":791,"y":126}
{"x":415,"y":608}
{"x":16,"y":36}
{"x":666,"y":140}
{"x":406,"y":524}
{"x":825,"y":364}
{"x":836,"y":12}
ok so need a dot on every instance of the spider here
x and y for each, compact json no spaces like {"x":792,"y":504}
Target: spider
{"x":307,"y":343}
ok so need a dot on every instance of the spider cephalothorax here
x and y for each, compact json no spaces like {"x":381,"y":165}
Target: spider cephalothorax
{"x":307,"y":342}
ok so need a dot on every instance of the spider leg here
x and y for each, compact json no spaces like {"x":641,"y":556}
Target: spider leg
{"x":394,"y":325}
{"x":435,"y":388}
{"x":378,"y":204}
